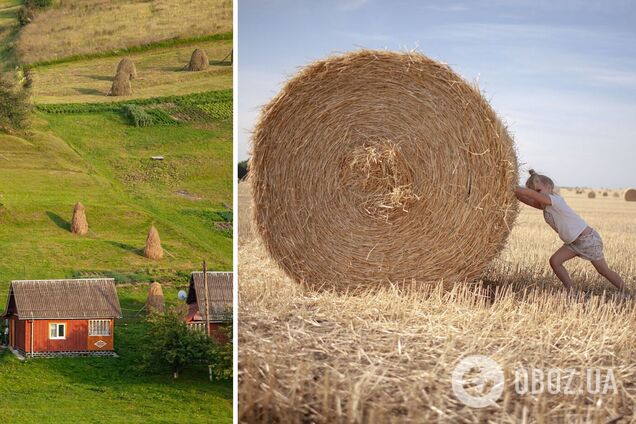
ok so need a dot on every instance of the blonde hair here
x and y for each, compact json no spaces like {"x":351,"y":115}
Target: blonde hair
{"x":534,"y":177}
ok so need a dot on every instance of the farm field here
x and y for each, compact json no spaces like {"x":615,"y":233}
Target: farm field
{"x":111,"y":390}
{"x":109,"y":25}
{"x":386,"y":355}
{"x":160,"y":73}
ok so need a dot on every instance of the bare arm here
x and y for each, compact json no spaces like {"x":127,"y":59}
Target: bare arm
{"x":532,"y":198}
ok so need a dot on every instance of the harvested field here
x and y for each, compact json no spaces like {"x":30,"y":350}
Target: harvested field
{"x":107,"y":26}
{"x":386,"y":355}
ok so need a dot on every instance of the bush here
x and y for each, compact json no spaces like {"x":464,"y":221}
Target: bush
{"x":25,"y":15}
{"x":40,"y":4}
{"x":223,"y":357}
{"x":15,"y":107}
{"x":170,"y":343}
{"x":243,"y":169}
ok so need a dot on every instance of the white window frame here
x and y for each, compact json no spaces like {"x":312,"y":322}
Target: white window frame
{"x":99,"y":327}
{"x":57,"y":330}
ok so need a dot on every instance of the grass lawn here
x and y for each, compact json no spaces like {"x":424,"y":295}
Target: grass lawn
{"x":160,"y":73}
{"x":102,"y":161}
{"x":111,"y":390}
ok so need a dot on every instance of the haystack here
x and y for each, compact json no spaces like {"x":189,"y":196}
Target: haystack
{"x":155,"y":301}
{"x":591,"y":195}
{"x":604,"y":194}
{"x":153,"y":248}
{"x":79,"y":225}
{"x":199,"y":61}
{"x":121,"y":85}
{"x":127,"y":66}
{"x":630,"y":195}
{"x":376,"y":167}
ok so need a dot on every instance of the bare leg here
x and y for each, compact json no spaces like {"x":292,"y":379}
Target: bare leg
{"x":556,"y":262}
{"x":603,"y":269}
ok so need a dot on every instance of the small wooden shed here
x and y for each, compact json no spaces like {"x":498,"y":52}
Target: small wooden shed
{"x":218,"y":298}
{"x":62,"y":317}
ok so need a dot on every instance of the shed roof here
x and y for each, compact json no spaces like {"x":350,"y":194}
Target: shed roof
{"x":59,"y":299}
{"x":220,"y":294}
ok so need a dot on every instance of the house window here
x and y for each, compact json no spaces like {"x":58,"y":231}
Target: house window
{"x":99,"y":327}
{"x":57,"y":331}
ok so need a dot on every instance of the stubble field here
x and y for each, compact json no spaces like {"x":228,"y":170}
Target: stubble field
{"x":387,"y":355}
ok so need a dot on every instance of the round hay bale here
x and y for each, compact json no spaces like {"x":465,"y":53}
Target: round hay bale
{"x":199,"y":61}
{"x":155,"y":301}
{"x":604,"y":194}
{"x":121,"y":85}
{"x":153,"y":249}
{"x":630,"y":195}
{"x":591,"y":195}
{"x":375,"y":167}
{"x":79,"y":224}
{"x":615,"y":194}
{"x":127,"y":66}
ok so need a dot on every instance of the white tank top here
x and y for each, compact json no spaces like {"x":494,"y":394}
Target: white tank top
{"x":563,"y":219}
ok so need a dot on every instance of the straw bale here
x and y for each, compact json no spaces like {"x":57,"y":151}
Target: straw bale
{"x":374,"y":167}
{"x":155,"y":301}
{"x":121,"y":85}
{"x":79,"y":224}
{"x":153,"y":249}
{"x":591,"y":195}
{"x":127,"y":66}
{"x":630,"y":195}
{"x":199,"y":60}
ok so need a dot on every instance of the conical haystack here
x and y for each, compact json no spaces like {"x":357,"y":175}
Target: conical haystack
{"x":153,"y":248}
{"x":127,"y":66}
{"x":79,"y":225}
{"x":155,"y":301}
{"x":591,"y":195}
{"x":121,"y":85}
{"x":630,"y":195}
{"x":199,"y":61}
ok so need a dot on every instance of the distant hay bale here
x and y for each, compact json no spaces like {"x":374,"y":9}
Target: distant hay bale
{"x":604,"y":194}
{"x":591,"y":195}
{"x":199,"y":61}
{"x":615,"y":194}
{"x":127,"y":66}
{"x":630,"y":195}
{"x":121,"y":85}
{"x":155,"y":301}
{"x":376,"y":167}
{"x":153,"y":249}
{"x":79,"y":224}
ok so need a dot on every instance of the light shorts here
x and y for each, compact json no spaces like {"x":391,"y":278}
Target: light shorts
{"x":589,"y":246}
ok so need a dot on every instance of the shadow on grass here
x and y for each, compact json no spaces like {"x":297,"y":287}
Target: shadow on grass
{"x":59,"y":221}
{"x":90,"y":91}
{"x":173,"y":68}
{"x":100,"y":77}
{"x":220,"y":63}
{"x":126,"y":247}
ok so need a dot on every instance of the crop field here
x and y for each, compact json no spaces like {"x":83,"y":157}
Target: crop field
{"x":111,"y":390}
{"x":387,"y":354}
{"x":160,"y":73}
{"x":86,"y":27}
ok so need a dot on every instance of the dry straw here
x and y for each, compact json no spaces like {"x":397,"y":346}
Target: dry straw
{"x":375,"y":167}
{"x":153,"y":249}
{"x":199,"y":60}
{"x":630,"y":195}
{"x":121,"y":85}
{"x":127,"y":66}
{"x":155,"y":301}
{"x":591,"y":195}
{"x":79,"y":225}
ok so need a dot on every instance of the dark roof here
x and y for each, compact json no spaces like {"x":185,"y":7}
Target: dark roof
{"x":219,"y":294}
{"x":69,"y":299}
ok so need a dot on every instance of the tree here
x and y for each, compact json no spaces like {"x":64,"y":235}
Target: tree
{"x":171,"y":343}
{"x":14,"y":107}
{"x":243,"y":169}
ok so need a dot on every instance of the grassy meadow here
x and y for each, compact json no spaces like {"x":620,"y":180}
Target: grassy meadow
{"x":111,"y":390}
{"x":87,"y":27}
{"x":84,"y":146}
{"x":387,"y":355}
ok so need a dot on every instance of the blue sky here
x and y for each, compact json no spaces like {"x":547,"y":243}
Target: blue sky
{"x":561,"y":73}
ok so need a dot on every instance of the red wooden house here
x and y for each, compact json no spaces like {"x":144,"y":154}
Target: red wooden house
{"x":218,"y":298}
{"x":62,"y":317}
